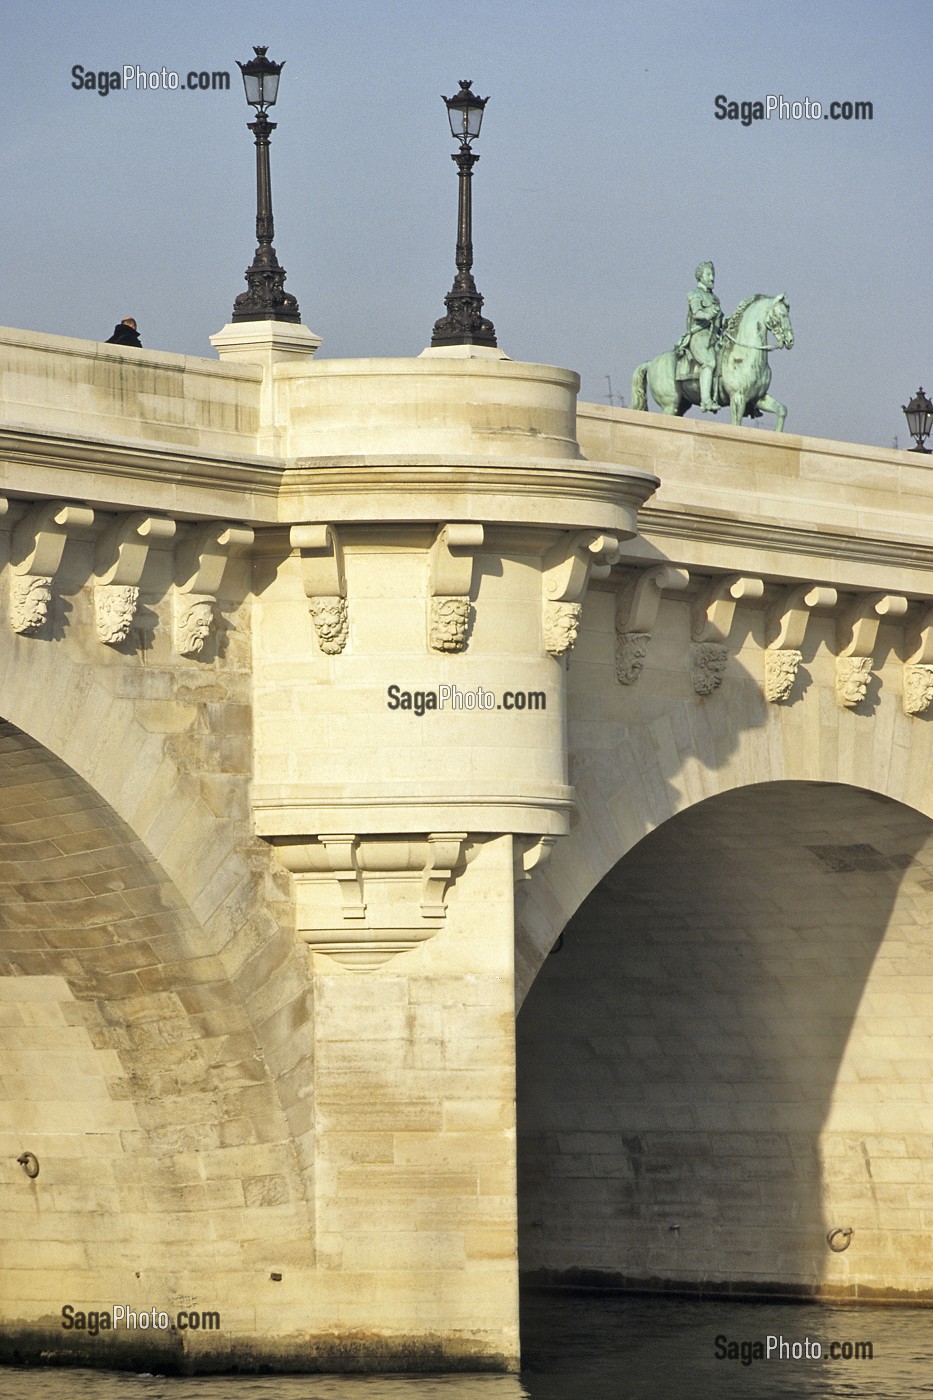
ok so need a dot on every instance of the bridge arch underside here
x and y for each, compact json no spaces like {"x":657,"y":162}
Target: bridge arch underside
{"x":730,"y":1056}
{"x":131,"y":1066}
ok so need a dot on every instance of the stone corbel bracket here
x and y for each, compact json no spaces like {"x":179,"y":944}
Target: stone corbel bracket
{"x":785,"y":630}
{"x":568,"y":567}
{"x":341,"y":859}
{"x":450,"y":584}
{"x":445,"y":852}
{"x":712,"y":613}
{"x":711,"y":623}
{"x":857,"y":632}
{"x":36,"y":550}
{"x":200,"y":561}
{"x":119,"y":561}
{"x":325,"y":583}
{"x":529,"y":855}
{"x":363,"y":899}
{"x":918,"y":666}
{"x":636,"y":612}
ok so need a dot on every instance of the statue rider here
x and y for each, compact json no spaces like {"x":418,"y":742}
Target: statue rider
{"x":704,"y":326}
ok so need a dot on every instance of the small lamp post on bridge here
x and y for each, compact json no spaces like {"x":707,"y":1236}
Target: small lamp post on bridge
{"x":265,"y":298}
{"x":919,"y":414}
{"x":464,"y":323}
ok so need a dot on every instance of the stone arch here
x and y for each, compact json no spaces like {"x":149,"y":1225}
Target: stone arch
{"x":647,"y":772}
{"x":166,"y":747}
{"x":157,"y":1078}
{"x":729,"y":1057}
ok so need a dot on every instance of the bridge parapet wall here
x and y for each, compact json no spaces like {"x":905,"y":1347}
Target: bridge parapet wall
{"x":788,"y":506}
{"x":84,"y":388}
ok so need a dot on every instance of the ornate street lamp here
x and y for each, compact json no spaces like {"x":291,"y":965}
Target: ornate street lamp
{"x":265,"y":298}
{"x":919,"y":413}
{"x":464,"y":323}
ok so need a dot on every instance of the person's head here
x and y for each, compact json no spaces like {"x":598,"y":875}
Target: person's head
{"x":128,"y":321}
{"x":705,"y":274}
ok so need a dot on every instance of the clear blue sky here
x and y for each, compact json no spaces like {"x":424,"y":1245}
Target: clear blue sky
{"x":604,"y":178}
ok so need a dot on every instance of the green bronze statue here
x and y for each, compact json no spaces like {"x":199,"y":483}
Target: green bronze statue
{"x":719,"y":362}
{"x":697,"y":348}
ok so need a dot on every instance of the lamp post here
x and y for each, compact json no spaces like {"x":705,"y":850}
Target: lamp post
{"x":464,"y":323}
{"x":919,"y":414}
{"x":265,"y":298}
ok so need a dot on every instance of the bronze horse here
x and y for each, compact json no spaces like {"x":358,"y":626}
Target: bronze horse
{"x":743,"y":373}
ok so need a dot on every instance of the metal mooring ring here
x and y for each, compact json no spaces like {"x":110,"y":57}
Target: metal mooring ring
{"x":839,"y":1234}
{"x":29,"y":1163}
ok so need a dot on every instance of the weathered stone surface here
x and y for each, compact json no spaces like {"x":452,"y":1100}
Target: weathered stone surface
{"x":211,"y":1102}
{"x":781,"y":666}
{"x":853,"y":677}
{"x":450,"y":621}
{"x":747,"y":1067}
{"x":631,"y":650}
{"x":708,"y":661}
{"x":918,"y":689}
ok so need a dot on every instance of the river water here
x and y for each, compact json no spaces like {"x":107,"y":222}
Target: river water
{"x":602,"y":1347}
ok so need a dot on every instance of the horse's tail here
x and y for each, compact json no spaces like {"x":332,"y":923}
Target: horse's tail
{"x":639,"y":389}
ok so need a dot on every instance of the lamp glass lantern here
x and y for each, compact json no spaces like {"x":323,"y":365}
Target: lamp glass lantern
{"x":465,"y":112}
{"x":261,"y":80}
{"x":919,"y":415}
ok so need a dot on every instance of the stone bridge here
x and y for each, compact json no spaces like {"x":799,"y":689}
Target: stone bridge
{"x":348,"y":706}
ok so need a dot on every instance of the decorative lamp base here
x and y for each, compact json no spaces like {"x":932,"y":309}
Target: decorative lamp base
{"x":464,"y":323}
{"x":265,"y":298}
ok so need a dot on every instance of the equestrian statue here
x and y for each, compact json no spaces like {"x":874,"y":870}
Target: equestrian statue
{"x":718,"y":361}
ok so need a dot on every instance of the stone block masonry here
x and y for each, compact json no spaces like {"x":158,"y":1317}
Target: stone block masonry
{"x":262,"y":935}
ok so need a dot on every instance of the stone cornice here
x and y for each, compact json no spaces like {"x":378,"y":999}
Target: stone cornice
{"x":284,"y":810}
{"x":562,"y":494}
{"x":150,"y":475}
{"x":842,"y":549}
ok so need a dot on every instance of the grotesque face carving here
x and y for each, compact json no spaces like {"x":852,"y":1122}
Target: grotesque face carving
{"x":450,"y":620}
{"x":30,"y":596}
{"x":193,"y":626}
{"x":709,"y":665}
{"x":780,"y":672}
{"x":918,"y":689}
{"x":561,"y":625}
{"x":114,"y":608}
{"x":853,"y":674}
{"x":631,"y":650}
{"x":331,"y":623}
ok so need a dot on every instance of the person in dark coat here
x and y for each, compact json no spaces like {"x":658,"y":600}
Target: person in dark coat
{"x":125,"y":334}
